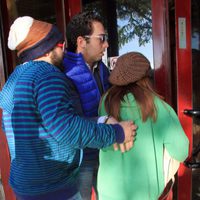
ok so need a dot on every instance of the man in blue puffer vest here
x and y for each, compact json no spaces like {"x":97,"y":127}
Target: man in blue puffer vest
{"x":86,"y":44}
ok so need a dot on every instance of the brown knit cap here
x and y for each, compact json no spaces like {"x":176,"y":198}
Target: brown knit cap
{"x":129,"y":68}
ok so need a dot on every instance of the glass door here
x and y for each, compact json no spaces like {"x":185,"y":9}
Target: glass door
{"x":195,"y":44}
{"x":188,"y":93}
{"x":129,"y":27}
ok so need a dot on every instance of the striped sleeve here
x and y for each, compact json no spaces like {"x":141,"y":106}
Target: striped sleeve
{"x":55,"y":103}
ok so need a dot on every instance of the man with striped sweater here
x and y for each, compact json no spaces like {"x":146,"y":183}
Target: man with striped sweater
{"x":44,"y":131}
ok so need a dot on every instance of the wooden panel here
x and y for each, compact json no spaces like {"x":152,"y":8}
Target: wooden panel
{"x":5,"y":165}
{"x":5,"y":27}
{"x":65,"y":9}
{"x":72,"y":8}
{"x":5,"y":69}
{"x":60,"y":15}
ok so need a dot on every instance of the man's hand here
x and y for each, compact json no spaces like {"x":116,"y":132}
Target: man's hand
{"x":129,"y":130}
{"x":124,"y":146}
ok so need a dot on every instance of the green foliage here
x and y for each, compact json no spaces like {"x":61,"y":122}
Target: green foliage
{"x":134,"y":19}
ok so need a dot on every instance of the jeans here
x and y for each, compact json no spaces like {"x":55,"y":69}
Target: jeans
{"x":77,"y":196}
{"x":88,"y":178}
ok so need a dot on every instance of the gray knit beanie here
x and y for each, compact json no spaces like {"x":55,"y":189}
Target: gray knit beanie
{"x":129,"y":68}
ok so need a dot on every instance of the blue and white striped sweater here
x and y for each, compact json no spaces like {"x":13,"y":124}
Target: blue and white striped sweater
{"x":43,"y":130}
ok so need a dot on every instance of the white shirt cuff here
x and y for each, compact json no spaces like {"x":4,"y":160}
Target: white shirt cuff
{"x":102,"y":119}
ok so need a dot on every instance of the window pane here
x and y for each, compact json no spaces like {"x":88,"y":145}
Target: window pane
{"x":129,"y":25}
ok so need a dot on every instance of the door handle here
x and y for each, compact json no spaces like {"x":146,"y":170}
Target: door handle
{"x":192,"y":113}
{"x":193,"y":165}
{"x":193,"y":162}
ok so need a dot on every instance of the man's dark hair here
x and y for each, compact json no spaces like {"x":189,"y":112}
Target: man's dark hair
{"x":80,"y":25}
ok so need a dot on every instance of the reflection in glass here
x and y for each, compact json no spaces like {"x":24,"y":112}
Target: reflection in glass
{"x":195,"y":38}
{"x":41,"y":10}
{"x":128,"y":23}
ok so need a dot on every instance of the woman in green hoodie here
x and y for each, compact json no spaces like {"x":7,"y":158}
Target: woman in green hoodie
{"x":138,"y":174}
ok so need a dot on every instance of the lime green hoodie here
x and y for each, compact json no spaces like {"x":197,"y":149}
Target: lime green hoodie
{"x":138,"y":173}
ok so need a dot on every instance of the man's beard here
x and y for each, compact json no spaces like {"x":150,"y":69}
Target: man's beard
{"x":57,"y":59}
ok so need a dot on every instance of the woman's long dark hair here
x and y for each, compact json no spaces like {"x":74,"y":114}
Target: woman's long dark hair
{"x":144,"y":95}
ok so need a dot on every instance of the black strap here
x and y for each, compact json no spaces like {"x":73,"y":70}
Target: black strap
{"x":98,"y":79}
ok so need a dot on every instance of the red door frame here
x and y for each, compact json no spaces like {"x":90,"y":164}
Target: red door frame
{"x":184,"y":72}
{"x":5,"y":165}
{"x":184,"y":88}
{"x":4,"y":152}
{"x":65,"y":10}
{"x":160,"y":38}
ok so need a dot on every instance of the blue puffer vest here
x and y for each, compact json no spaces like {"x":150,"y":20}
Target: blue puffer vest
{"x":77,"y":70}
{"x":88,"y":89}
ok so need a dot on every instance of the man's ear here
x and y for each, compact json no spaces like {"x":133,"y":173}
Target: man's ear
{"x":46,"y":54}
{"x":81,"y":42}
{"x":46,"y":57}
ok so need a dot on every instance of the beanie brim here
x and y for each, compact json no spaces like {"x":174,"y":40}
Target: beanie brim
{"x":42,"y":47}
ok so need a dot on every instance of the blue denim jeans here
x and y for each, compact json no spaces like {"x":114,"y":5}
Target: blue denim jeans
{"x":88,"y":178}
{"x":58,"y":195}
{"x":77,"y":196}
